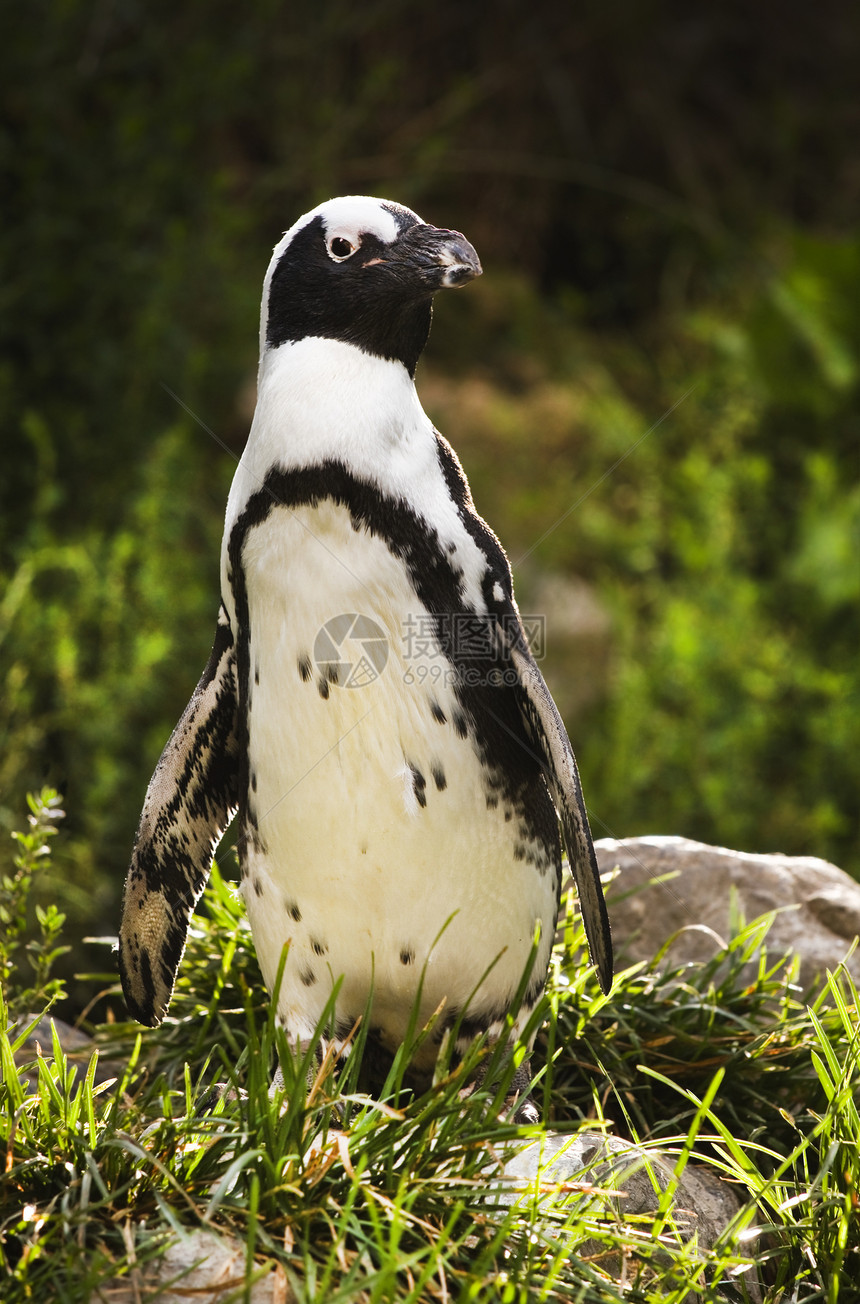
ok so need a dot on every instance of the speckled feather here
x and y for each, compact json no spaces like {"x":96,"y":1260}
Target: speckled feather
{"x":192,"y":797}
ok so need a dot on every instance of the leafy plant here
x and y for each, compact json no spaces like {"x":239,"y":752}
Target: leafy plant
{"x":42,"y":951}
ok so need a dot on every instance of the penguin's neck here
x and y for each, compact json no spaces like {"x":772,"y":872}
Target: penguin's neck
{"x":320,"y":400}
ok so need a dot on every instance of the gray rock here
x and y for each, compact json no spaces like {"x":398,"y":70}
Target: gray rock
{"x":77,"y":1048}
{"x":604,"y":1173}
{"x":637,"y":1177}
{"x":818,"y":904}
{"x":200,"y":1266}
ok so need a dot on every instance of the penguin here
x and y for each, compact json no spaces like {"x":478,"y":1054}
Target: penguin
{"x":371,"y":713}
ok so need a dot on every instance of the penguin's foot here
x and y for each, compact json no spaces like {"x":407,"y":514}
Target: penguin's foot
{"x":518,"y":1102}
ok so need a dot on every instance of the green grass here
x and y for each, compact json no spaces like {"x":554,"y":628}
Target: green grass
{"x":391,"y":1199}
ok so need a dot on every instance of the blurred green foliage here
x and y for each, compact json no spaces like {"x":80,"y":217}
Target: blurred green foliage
{"x":725,"y":544}
{"x":654,"y":387}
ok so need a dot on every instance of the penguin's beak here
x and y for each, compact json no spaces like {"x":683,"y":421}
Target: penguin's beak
{"x":438,"y":258}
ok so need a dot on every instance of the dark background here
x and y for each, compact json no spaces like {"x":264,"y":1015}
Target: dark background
{"x":665,"y":200}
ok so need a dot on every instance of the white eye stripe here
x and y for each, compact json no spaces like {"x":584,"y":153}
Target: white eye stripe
{"x":340,"y":248}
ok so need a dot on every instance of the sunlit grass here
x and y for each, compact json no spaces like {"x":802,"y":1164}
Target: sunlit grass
{"x":398,"y":1198}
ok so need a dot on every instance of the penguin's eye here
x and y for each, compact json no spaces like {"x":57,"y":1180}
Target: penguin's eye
{"x":340,"y":248}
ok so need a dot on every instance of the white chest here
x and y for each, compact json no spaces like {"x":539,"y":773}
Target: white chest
{"x":378,"y":856}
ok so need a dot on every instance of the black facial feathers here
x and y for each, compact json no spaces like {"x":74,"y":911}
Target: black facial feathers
{"x":374,"y":300}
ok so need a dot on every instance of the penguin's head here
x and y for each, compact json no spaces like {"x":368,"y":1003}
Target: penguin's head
{"x":363,"y":271}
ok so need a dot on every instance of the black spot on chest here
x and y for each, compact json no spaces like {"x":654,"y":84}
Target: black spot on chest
{"x":419,"y":785}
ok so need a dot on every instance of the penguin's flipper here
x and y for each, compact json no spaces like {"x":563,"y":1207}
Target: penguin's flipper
{"x":191,"y":799}
{"x":545,"y":727}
